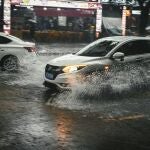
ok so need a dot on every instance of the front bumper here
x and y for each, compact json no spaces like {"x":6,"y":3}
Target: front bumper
{"x":56,"y":86}
{"x":62,"y":81}
{"x":54,"y":75}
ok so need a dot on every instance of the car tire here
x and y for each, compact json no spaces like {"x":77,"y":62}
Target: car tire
{"x":9,"y":63}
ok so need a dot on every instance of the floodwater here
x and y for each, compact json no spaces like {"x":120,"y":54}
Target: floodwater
{"x":90,"y":117}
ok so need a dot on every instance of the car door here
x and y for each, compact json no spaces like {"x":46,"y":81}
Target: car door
{"x":135,"y":52}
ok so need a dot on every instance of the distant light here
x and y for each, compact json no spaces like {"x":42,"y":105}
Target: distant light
{"x":45,"y":8}
{"x":78,"y":9}
{"x":14,"y":9}
{"x":28,"y":7}
{"x":31,"y":8}
{"x":58,"y":9}
{"x":93,"y":0}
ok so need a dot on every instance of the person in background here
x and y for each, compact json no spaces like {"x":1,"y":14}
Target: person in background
{"x":91,"y":32}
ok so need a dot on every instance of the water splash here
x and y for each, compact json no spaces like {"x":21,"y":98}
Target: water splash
{"x":112,"y":96}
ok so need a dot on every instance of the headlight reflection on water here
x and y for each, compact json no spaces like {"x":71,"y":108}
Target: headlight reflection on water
{"x":64,"y":127}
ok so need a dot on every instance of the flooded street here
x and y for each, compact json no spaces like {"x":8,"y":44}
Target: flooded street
{"x":89,"y":117}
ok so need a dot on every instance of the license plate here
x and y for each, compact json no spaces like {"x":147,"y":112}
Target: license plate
{"x":50,"y":76}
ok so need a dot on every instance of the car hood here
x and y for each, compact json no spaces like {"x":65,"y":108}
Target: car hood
{"x":20,"y":44}
{"x":71,"y":59}
{"x":28,"y":44}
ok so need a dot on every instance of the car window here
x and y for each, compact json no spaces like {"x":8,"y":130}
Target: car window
{"x":98,"y":49}
{"x":135,"y":47}
{"x":4,"y":40}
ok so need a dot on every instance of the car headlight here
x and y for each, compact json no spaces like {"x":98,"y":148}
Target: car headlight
{"x":70,"y":69}
{"x":106,"y":67}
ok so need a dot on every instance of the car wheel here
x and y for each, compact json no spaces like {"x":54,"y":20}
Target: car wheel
{"x":9,"y":63}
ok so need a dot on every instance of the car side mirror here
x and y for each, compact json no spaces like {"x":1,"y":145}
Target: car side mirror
{"x":118,"y":55}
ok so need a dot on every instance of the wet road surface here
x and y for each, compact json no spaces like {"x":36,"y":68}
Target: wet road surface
{"x":34,"y":118}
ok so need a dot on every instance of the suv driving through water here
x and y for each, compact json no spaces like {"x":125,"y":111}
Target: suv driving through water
{"x":101,"y":56}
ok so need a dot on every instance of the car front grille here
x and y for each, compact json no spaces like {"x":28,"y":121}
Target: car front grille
{"x":51,"y":72}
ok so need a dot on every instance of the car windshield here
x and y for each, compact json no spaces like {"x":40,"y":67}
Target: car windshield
{"x":98,"y":49}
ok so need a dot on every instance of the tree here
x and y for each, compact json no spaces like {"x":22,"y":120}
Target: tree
{"x":145,"y":8}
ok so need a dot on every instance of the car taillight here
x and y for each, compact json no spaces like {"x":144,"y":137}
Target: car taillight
{"x":30,"y":49}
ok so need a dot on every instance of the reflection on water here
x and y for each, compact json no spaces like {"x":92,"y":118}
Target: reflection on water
{"x":64,"y":127}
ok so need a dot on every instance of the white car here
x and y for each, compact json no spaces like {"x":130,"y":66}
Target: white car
{"x":100,"y":56}
{"x":13,"y":51}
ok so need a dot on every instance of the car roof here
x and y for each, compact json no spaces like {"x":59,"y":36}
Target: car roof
{"x":126,"y":38}
{"x":11,"y":37}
